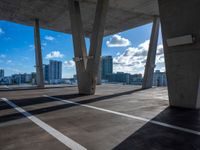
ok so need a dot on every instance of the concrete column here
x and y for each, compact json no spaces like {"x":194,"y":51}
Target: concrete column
{"x":79,"y":44}
{"x":182,"y":57}
{"x":151,"y":57}
{"x":87,"y":66}
{"x":38,"y":55}
{"x":96,"y":43}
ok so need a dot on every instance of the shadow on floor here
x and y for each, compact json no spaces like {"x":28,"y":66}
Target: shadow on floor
{"x":34,"y":101}
{"x":155,"y":137}
{"x":96,"y":98}
{"x":43,"y":100}
{"x":89,"y":99}
{"x":30,"y":88}
{"x":148,"y":137}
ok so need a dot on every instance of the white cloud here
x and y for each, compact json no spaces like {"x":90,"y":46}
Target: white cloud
{"x":9,"y":61}
{"x":5,"y":59}
{"x":133,"y":59}
{"x":14,"y":70}
{"x":160,"y":59}
{"x":145,"y":45}
{"x":118,"y":53}
{"x":1,"y":31}
{"x":49,"y":38}
{"x":2,"y":56}
{"x":69,"y":63}
{"x":160,"y":55}
{"x":54,"y":54}
{"x":160,"y":49}
{"x":25,"y":58}
{"x":162,"y":69}
{"x":118,"y":41}
{"x":44,"y":44}
{"x":31,"y":47}
{"x":7,"y":38}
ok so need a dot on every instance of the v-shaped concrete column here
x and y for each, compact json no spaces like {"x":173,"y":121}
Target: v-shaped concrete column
{"x":151,"y":57}
{"x":38,"y":56}
{"x":87,"y":66}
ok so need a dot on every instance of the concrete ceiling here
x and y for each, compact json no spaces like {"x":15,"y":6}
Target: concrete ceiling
{"x":54,"y":15}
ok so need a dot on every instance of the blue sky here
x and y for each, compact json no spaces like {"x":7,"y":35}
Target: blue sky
{"x":128,"y":48}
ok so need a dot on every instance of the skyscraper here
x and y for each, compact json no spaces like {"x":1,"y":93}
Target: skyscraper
{"x":107,"y":66}
{"x":1,"y":73}
{"x":46,"y":73}
{"x":55,"y":71}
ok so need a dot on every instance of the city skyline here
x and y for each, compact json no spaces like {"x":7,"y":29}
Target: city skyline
{"x":53,"y":70}
{"x":128,"y":49}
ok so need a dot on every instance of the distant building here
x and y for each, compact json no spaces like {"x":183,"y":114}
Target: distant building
{"x":22,"y":78}
{"x":17,"y":78}
{"x":7,"y":80}
{"x":125,"y":78}
{"x":106,"y":66}
{"x":119,"y":77}
{"x":55,"y":71}
{"x":33,"y":78}
{"x":136,"y":79}
{"x":159,"y":78}
{"x":26,"y":78}
{"x":1,"y":73}
{"x":46,"y":73}
{"x":75,"y":77}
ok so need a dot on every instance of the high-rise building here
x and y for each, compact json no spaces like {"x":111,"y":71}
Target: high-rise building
{"x":159,"y":78}
{"x":1,"y":73}
{"x":107,"y":66}
{"x":46,"y":73}
{"x":55,"y":71}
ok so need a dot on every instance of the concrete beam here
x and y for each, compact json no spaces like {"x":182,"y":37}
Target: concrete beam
{"x":151,"y":57}
{"x":182,"y":61}
{"x":123,"y":14}
{"x":87,"y":66}
{"x":38,"y":55}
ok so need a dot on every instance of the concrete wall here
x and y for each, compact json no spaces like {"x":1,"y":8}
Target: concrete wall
{"x":178,"y":18}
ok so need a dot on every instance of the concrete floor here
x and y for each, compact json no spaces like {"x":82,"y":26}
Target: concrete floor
{"x":117,"y":117}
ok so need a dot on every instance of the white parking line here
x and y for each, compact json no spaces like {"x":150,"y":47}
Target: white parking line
{"x":7,"y":87}
{"x":55,"y":133}
{"x":129,"y":116}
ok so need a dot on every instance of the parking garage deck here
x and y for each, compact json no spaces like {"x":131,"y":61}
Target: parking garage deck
{"x":117,"y":117}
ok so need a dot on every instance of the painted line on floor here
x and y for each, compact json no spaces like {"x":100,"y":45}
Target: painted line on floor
{"x":55,"y":133}
{"x":7,"y":87}
{"x":128,"y":116}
